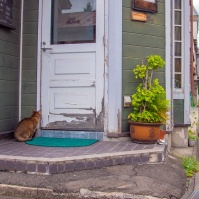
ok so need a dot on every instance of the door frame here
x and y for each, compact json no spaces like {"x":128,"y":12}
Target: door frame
{"x":112,"y":65}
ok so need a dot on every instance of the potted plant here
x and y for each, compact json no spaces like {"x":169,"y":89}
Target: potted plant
{"x":192,"y":137}
{"x":149,"y":103}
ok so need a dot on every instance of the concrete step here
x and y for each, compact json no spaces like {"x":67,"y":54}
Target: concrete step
{"x":20,"y":157}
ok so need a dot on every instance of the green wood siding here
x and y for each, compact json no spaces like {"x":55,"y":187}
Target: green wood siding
{"x":9,"y":72}
{"x":29,"y":63}
{"x":140,"y":39}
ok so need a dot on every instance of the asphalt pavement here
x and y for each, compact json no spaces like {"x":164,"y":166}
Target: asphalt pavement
{"x":165,"y":180}
{"x":9,"y":197}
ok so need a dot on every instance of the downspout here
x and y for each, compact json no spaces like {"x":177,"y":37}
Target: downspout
{"x":20,"y":59}
{"x":191,"y":49}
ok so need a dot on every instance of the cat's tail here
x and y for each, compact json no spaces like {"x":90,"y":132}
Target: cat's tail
{"x":21,"y":136}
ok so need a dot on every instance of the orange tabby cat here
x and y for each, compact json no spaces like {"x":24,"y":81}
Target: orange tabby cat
{"x":27,"y":127}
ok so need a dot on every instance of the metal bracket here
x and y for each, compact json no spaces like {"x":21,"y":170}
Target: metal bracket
{"x":44,"y":49}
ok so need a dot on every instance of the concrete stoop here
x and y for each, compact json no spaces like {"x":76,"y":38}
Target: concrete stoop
{"x":42,"y":193}
{"x":46,"y":166}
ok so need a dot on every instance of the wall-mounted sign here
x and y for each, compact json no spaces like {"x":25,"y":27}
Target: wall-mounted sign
{"x":6,"y":18}
{"x":138,"y":16}
{"x":145,"y":5}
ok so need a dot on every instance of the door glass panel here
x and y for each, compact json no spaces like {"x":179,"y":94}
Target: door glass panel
{"x":178,"y":65}
{"x":178,"y":80}
{"x":73,"y":21}
{"x":177,"y":48}
{"x":178,"y":33}
{"x":177,"y":4}
{"x":178,"y":17}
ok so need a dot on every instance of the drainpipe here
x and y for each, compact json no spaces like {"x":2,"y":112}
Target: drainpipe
{"x":20,"y":59}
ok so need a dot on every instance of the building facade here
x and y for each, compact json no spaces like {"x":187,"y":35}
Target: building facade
{"x":73,"y":61}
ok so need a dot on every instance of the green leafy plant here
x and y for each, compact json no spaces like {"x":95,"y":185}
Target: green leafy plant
{"x":192,"y":135}
{"x":149,"y":102}
{"x":190,"y":165}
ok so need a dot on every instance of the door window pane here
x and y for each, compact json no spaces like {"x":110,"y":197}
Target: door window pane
{"x":178,"y":33}
{"x":178,"y":65}
{"x":177,"y":4}
{"x":177,"y":48}
{"x":73,"y":21}
{"x":178,"y":17}
{"x":178,"y":80}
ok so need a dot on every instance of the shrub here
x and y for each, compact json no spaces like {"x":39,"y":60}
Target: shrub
{"x":149,"y":102}
{"x":192,"y":135}
{"x":190,"y":165}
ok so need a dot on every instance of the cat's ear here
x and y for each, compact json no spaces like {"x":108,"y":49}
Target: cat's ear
{"x":39,"y":111}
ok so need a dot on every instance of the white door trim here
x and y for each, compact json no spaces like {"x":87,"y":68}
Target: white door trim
{"x":186,"y":56}
{"x":168,"y":67}
{"x":39,"y":55}
{"x":113,"y":64}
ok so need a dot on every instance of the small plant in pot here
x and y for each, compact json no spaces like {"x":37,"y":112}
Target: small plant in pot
{"x":192,"y":137}
{"x":149,"y":103}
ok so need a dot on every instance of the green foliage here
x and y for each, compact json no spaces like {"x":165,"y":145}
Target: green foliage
{"x":88,"y":7}
{"x":190,"y":165}
{"x":149,"y":101}
{"x":192,"y":135}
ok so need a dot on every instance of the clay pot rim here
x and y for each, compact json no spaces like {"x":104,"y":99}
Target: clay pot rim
{"x":144,"y":124}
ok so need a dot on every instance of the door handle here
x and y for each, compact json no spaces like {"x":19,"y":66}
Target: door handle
{"x":44,"y":49}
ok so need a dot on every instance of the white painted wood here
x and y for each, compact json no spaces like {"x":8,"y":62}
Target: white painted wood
{"x":71,"y":83}
{"x":178,"y":93}
{"x":69,"y":119}
{"x":106,"y":64}
{"x":100,"y":57}
{"x":186,"y":56}
{"x":72,"y":75}
{"x":39,"y":55}
{"x":184,"y":93}
{"x":168,"y":66}
{"x":75,"y":66}
{"x":20,"y":59}
{"x":69,"y":98}
{"x":113,"y":66}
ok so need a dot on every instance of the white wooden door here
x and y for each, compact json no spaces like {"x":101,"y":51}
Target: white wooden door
{"x":72,"y":71}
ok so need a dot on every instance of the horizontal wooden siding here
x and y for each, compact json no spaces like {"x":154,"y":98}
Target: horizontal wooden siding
{"x":140,"y":39}
{"x":29,"y":63}
{"x":9,"y":72}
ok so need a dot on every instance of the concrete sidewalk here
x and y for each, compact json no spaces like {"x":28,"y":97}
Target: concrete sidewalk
{"x":195,"y":193}
{"x":193,"y":188}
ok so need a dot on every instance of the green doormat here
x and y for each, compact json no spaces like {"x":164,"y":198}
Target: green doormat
{"x":61,"y":142}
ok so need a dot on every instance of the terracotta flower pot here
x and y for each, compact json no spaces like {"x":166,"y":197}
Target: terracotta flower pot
{"x":191,"y":142}
{"x":162,"y":134}
{"x":147,"y":133}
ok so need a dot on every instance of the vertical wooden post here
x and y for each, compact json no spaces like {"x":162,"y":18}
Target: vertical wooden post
{"x":191,"y":49}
